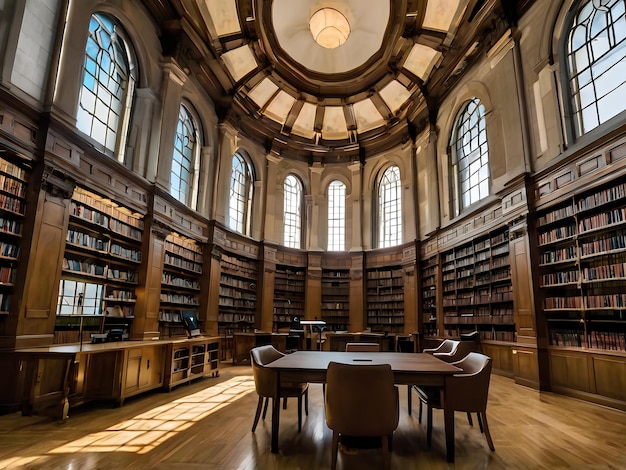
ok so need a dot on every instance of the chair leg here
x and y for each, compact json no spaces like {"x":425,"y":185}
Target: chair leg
{"x":483,"y":415}
{"x":429,"y":424}
{"x":409,"y":397}
{"x":480,"y":423}
{"x":299,"y":413}
{"x":284,"y":403}
{"x":386,"y":453}
{"x":334,"y":450}
{"x":267,"y":401}
{"x":469,"y":419}
{"x":306,"y":402}
{"x":258,"y":413}
{"x":419,"y":418}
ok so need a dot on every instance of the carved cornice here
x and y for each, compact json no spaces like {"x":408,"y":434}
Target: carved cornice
{"x":160,"y":229}
{"x":56,"y":183}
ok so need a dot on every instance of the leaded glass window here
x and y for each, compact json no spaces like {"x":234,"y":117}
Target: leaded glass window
{"x":240,"y":200}
{"x":390,"y":208}
{"x":292,"y":212}
{"x":336,"y":216}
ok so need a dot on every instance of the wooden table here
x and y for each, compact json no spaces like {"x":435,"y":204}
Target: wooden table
{"x":408,"y":369}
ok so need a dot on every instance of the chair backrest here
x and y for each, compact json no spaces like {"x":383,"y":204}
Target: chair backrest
{"x":446,"y":346}
{"x":264,"y":378}
{"x":361,"y":400}
{"x":362,"y":347}
{"x":462,"y":349}
{"x":468,"y":390}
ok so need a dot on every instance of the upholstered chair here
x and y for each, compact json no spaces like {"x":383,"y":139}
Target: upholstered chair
{"x":361,"y":401}
{"x":265,"y":384}
{"x":466,"y":391}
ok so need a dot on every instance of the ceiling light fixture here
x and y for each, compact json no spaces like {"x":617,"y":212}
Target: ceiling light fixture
{"x":329,"y":28}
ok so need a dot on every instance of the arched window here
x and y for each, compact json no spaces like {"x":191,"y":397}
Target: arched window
{"x":596,"y":63}
{"x":108,"y":85}
{"x":292,"y":212}
{"x":470,"y":156}
{"x":185,"y":160}
{"x":336,"y":216}
{"x":240,"y":201}
{"x":390,"y":208}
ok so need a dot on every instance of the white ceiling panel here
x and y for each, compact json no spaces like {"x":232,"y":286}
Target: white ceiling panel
{"x":239,"y":62}
{"x":305,"y":121}
{"x":280,"y":106}
{"x":439,"y":14}
{"x":421,"y":60}
{"x":395,"y":95}
{"x":224,"y":16}
{"x":334,"y":125}
{"x":261,"y":93}
{"x":367,"y":116}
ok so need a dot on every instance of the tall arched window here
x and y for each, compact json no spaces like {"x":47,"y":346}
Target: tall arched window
{"x":336,"y":216}
{"x":390,"y":208}
{"x":108,"y":85}
{"x":240,"y":201}
{"x":185,"y":160}
{"x":596,"y":63}
{"x":292,"y":212}
{"x":470,"y":156}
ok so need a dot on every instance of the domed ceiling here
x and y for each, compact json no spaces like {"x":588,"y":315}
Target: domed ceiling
{"x":325,"y":80}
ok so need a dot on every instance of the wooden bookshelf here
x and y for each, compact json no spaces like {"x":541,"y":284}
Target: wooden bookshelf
{"x":477,"y":288}
{"x":102,"y":257}
{"x":429,"y":271}
{"x":13,"y":180}
{"x":336,"y":298}
{"x":289,"y":284}
{"x":180,"y":284}
{"x":238,"y":293}
{"x":191,"y":359}
{"x":385,"y":298}
{"x":582,"y":269}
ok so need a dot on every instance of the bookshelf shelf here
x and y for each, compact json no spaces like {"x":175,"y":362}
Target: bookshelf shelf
{"x":585,"y":275}
{"x":289,"y":284}
{"x":477,"y":290}
{"x":336,"y":298}
{"x":180,"y":283}
{"x":101,"y":260}
{"x":14,"y":174}
{"x":191,"y":359}
{"x":385,"y":298}
{"x":238,"y":293}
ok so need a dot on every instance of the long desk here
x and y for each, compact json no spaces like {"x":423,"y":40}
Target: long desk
{"x":408,"y":369}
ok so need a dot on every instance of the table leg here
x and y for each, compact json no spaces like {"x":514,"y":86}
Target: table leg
{"x":276,"y":415}
{"x":448,"y":417}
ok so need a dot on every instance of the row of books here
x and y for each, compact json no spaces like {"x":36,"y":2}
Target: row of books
{"x":124,"y":252}
{"x":558,"y":255}
{"x":602,"y":197}
{"x":177,"y":281}
{"x":10,"y":226}
{"x":175,"y":298}
{"x":228,"y":282}
{"x":9,"y":250}
{"x":563,"y":302}
{"x":556,"y":234}
{"x":603,"y":245}
{"x":563,"y":277}
{"x":5,"y":301}
{"x":11,"y":204}
{"x":12,"y":170}
{"x":105,"y":221}
{"x":107,"y":207}
{"x":387,"y":282}
{"x":13,"y":186}
{"x":236,"y":303}
{"x":604,"y":219}
{"x":89,"y":241}
{"x":611,"y":271}
{"x":120,"y":294}
{"x":556,"y":215}
{"x":231,"y":317}
{"x":182,"y":263}
{"x":608,"y":340}
{"x":606,"y":301}
{"x":184,"y":248}
{"x":384,"y":274}
{"x":240,"y":270}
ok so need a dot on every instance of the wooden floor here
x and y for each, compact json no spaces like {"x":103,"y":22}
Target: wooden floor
{"x":206,"y":425}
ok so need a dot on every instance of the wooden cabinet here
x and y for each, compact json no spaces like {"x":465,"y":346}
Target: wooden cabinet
{"x":143,"y":370}
{"x":180,"y":287}
{"x":191,"y":359}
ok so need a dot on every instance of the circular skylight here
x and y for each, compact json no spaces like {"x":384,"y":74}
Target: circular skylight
{"x":329,"y":28}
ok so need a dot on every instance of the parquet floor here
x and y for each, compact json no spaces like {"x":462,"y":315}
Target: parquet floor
{"x":206,"y":425}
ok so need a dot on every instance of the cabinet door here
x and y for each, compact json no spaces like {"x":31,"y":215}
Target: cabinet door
{"x":151,"y":371}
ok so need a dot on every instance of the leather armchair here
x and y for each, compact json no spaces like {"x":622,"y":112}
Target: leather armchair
{"x":361,"y":401}
{"x":265,"y":384}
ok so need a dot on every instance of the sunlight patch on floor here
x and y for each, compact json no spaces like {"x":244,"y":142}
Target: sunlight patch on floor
{"x":148,"y":430}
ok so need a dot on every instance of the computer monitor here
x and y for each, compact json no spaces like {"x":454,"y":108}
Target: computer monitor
{"x":190,"y":320}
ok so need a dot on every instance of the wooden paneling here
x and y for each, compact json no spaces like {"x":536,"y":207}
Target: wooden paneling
{"x":570,"y":370}
{"x":610,"y":376}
